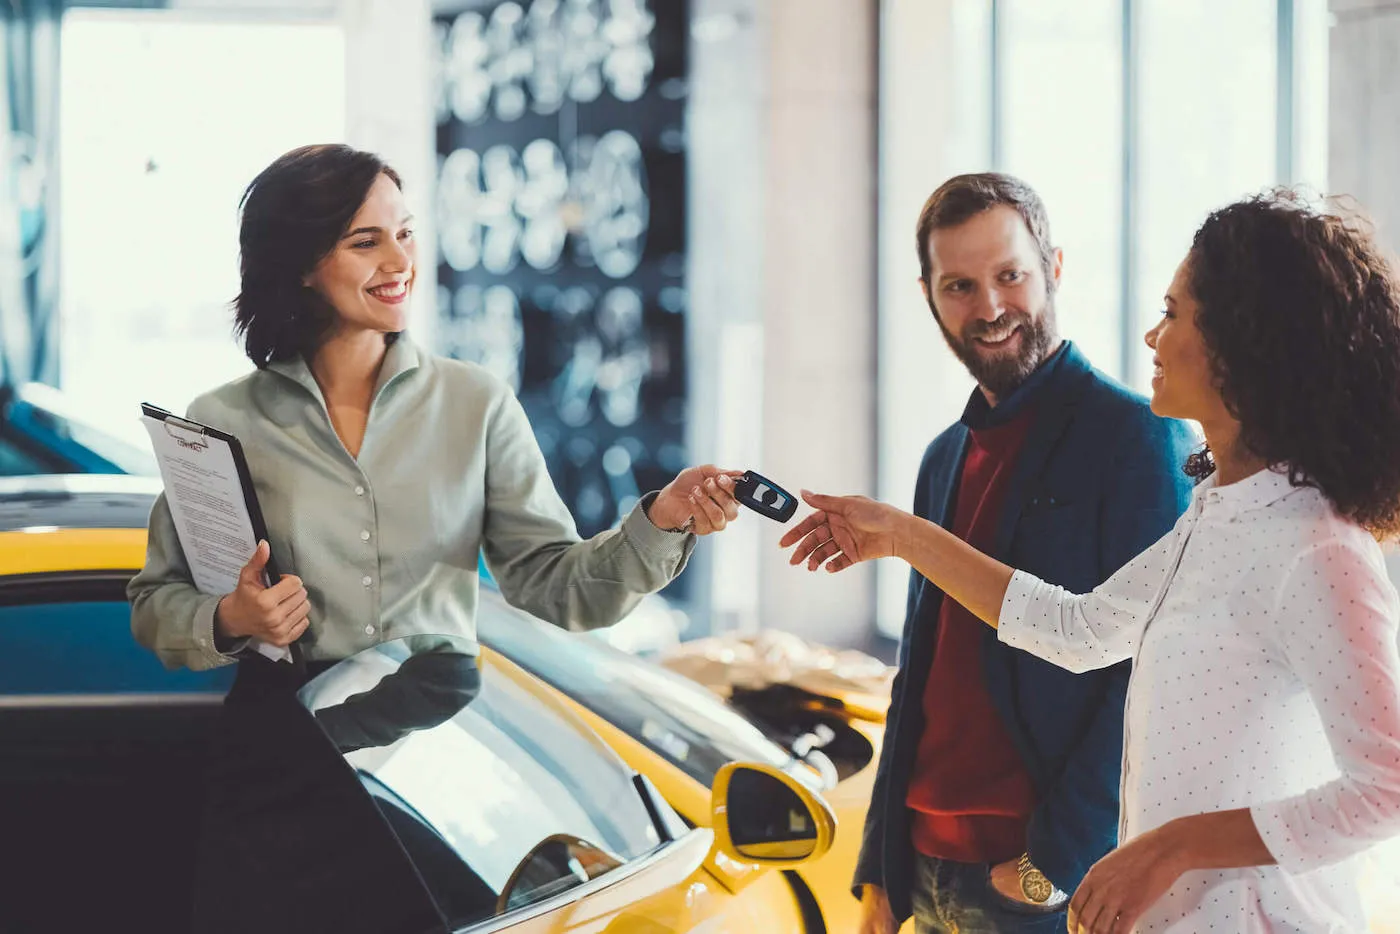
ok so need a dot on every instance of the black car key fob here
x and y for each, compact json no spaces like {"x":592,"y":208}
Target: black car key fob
{"x":765,"y":497}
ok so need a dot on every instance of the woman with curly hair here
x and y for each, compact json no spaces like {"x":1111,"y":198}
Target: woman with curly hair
{"x":1262,"y":731}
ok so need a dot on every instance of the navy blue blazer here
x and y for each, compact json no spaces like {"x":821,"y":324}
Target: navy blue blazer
{"x":1098,"y":480}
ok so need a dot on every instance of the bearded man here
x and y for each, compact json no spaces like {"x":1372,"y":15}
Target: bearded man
{"x":999,"y":779}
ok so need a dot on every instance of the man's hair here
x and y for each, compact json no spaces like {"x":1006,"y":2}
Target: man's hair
{"x":963,"y":197}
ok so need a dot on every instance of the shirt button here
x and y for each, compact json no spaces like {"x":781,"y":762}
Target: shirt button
{"x":359,"y":491}
{"x":369,"y":630}
{"x":367,"y":580}
{"x":364,"y":536}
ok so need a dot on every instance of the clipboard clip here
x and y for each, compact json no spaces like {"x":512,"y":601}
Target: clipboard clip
{"x":198,"y":446}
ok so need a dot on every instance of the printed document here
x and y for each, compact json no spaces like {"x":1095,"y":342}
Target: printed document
{"x":207,"y":502}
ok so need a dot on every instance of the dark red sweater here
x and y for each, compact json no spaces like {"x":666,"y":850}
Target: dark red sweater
{"x":970,"y":797}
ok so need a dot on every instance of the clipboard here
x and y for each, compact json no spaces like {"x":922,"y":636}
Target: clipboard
{"x":194,"y":437}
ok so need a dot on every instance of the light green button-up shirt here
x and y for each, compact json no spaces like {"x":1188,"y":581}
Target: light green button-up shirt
{"x":387,"y":543}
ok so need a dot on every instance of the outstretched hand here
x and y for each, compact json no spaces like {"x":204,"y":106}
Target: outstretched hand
{"x":844,"y":530}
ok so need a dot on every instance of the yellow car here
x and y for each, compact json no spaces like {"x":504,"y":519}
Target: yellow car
{"x":103,"y":753}
{"x":509,"y":805}
{"x":680,"y":735}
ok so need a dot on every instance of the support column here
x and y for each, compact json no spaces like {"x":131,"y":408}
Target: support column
{"x":782,"y":281}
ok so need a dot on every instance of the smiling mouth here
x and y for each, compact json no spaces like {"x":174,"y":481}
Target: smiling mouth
{"x":1001,"y":341}
{"x":390,"y":291}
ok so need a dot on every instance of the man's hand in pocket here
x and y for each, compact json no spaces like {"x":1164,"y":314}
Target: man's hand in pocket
{"x":1006,"y":879}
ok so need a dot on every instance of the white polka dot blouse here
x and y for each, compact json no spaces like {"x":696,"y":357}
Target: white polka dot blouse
{"x":1263,"y":631}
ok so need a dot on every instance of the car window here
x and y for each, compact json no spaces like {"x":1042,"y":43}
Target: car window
{"x":673,"y":716}
{"x":81,"y":646}
{"x":43,"y":415}
{"x":17,"y":462}
{"x":499,"y":795}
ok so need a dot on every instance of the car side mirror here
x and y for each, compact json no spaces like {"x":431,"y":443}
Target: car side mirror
{"x":558,"y":862}
{"x":761,"y":815}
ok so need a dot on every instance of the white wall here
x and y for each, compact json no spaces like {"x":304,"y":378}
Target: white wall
{"x":1364,"y":118}
{"x":782,"y":281}
{"x":1364,"y":121}
{"x":934,"y":123}
{"x":149,"y":223}
{"x":389,"y":99}
{"x":725,"y":324}
{"x":161,"y":127}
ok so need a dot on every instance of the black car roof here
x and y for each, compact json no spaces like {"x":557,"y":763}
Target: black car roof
{"x":77,"y":501}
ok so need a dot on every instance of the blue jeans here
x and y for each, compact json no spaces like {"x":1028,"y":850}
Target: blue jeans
{"x":958,"y":898}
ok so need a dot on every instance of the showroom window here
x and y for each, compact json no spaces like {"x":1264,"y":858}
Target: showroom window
{"x":1132,"y":118}
{"x":1060,"y":126}
{"x":152,"y":170}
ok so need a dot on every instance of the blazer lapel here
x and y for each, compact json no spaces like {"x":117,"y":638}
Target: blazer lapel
{"x":942,"y":496}
{"x":1048,"y":428}
{"x":945,"y":486}
{"x":1045,"y":433}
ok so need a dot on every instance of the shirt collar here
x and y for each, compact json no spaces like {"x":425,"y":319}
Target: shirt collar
{"x":1257,"y":491}
{"x":400,"y":357}
{"x":979,"y":414}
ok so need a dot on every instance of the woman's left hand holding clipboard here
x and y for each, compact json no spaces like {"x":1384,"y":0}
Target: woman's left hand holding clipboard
{"x":277,"y":615}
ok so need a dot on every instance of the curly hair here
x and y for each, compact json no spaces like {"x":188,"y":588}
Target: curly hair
{"x":294,"y":213}
{"x":1300,"y":316}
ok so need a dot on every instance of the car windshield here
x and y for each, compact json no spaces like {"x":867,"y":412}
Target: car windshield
{"x":18,"y":461}
{"x":497,"y":792}
{"x":671,"y":715}
{"x":50,"y":426}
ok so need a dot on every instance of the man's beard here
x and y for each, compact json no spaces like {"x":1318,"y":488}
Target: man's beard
{"x":1000,"y":373}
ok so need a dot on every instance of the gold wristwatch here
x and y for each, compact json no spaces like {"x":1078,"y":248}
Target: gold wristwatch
{"x":1037,"y":889}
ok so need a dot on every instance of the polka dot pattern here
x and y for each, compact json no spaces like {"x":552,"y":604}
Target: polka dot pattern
{"x":1266,"y":675}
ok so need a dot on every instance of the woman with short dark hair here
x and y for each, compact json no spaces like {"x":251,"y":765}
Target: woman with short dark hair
{"x":294,"y":213}
{"x":384,"y":471}
{"x":1262,"y":730}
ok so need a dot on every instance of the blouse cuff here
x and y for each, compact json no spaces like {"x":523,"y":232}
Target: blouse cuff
{"x":650,"y":540}
{"x":1014,"y":626}
{"x":1271,"y":819}
{"x":204,"y":636}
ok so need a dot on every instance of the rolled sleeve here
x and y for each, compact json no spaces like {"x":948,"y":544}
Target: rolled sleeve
{"x":1285,"y":837}
{"x":1014,"y":626}
{"x":1094,"y":630}
{"x":1337,"y":619}
{"x":1077,"y":633}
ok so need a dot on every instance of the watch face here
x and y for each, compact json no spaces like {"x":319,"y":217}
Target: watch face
{"x":1036,"y":887}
